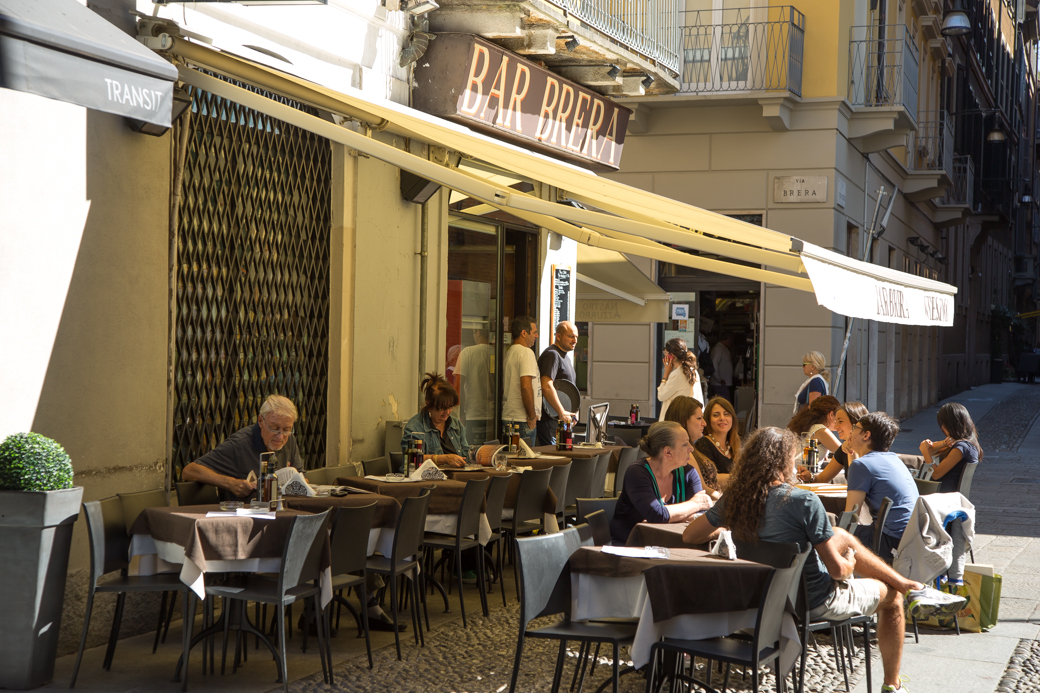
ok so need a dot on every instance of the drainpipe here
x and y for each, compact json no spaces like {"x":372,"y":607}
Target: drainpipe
{"x":424,"y":244}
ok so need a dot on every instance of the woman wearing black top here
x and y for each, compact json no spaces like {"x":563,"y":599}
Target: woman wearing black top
{"x":846,"y":418}
{"x":721,"y":442}
{"x":960,"y":448}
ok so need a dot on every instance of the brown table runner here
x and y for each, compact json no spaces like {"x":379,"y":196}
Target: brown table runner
{"x":446,"y":498}
{"x":549,"y":506}
{"x":584,"y":453}
{"x":387,"y":508}
{"x":226,"y":538}
{"x":667,"y":535}
{"x":690,"y":582}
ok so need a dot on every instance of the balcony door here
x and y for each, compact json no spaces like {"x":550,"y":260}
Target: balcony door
{"x":720,"y":43}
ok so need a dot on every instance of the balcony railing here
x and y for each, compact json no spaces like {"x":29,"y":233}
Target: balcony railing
{"x":883,"y":64}
{"x":962,"y":192}
{"x":649,"y":27}
{"x":747,"y":49}
{"x":931,"y":147}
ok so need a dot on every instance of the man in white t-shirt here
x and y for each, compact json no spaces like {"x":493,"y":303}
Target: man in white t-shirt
{"x":473,"y":383}
{"x":522,"y":404}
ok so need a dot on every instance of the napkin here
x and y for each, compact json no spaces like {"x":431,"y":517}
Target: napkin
{"x":292,"y":483}
{"x":724,"y":546}
{"x":427,"y":471}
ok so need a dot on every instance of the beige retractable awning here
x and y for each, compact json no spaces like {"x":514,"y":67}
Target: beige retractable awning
{"x":620,"y":218}
{"x":612,"y":289}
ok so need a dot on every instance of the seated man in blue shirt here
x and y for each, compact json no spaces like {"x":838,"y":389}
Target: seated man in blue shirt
{"x":875,"y":474}
{"x":762,"y":503}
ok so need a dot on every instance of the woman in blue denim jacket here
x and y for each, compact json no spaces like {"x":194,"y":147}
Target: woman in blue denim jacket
{"x":442,"y":433}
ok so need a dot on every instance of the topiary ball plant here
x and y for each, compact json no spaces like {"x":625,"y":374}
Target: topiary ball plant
{"x":31,"y":462}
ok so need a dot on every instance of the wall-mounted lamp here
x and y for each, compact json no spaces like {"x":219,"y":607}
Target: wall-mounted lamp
{"x":647,"y":81}
{"x":613,"y":72}
{"x":1027,"y":199}
{"x":996,"y":135}
{"x":956,"y":22}
{"x":572,"y":43}
{"x":916,"y":241}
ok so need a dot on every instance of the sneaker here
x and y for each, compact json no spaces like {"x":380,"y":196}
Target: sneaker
{"x":469,"y":577}
{"x":928,"y":601}
{"x":886,"y":688}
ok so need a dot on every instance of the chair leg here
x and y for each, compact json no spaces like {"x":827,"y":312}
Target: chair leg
{"x":392,"y":579}
{"x":363,"y":597}
{"x":83,"y":637}
{"x":416,"y":616}
{"x":158,"y":628}
{"x":169,"y":616}
{"x":457,"y":569}
{"x":917,"y":634}
{"x":617,"y":656}
{"x":482,"y":581}
{"x":326,"y":624}
{"x":866,"y":653}
{"x":283,"y":664}
{"x":516,"y":662}
{"x":577,"y":668}
{"x":188,"y":617}
{"x":558,"y":674}
{"x":114,"y":635}
{"x":501,"y":575}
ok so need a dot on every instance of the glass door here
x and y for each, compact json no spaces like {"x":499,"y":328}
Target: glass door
{"x":474,"y":323}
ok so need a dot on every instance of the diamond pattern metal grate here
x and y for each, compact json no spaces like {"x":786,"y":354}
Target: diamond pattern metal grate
{"x":252,"y":276}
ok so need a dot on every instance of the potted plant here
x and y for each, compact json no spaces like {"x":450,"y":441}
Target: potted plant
{"x":38,"y":507}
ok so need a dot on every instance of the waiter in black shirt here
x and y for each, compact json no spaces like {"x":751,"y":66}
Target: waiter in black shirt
{"x":552,"y":364}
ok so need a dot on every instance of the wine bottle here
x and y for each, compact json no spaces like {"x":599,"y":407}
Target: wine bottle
{"x":418,"y":460}
{"x":261,"y":492}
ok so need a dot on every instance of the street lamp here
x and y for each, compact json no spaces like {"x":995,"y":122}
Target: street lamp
{"x":956,"y":22}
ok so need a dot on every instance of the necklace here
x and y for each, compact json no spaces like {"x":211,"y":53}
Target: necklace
{"x":723,"y":450}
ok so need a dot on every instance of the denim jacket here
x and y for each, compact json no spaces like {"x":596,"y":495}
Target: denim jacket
{"x":420,"y":427}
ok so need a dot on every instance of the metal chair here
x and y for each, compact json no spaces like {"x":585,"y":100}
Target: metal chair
{"x":496,"y":497}
{"x":545,"y":591}
{"x":467,"y":525}
{"x":626,"y":458}
{"x":196,"y":493}
{"x":558,"y":482}
{"x":925,"y":487}
{"x":109,"y":551}
{"x":376,"y":467}
{"x":586,"y":506}
{"x":599,"y":523}
{"x":317,"y":477}
{"x":397,"y":462}
{"x":297,"y":579}
{"x":349,"y":559}
{"x":404,"y":559}
{"x":527,"y":513}
{"x":964,"y":488}
{"x":578,"y":484}
{"x":764,"y":645}
{"x":599,"y":478}
{"x":879,"y":524}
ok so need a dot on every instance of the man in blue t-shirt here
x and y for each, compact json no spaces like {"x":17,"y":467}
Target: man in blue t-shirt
{"x":875,"y":474}
{"x":792,"y":515}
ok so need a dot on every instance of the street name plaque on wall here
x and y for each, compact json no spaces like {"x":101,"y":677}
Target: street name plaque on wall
{"x":473,"y":82}
{"x":800,"y":189}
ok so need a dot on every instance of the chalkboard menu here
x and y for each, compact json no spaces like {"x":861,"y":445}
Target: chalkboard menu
{"x":561,"y":294}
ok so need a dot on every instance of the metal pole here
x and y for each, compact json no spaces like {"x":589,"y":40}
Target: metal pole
{"x":424,"y":244}
{"x":866,"y":253}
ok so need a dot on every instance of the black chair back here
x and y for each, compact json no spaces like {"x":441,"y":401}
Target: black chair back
{"x":599,"y":478}
{"x":558,"y":482}
{"x":587,"y":506}
{"x":849,"y":520}
{"x":302,"y":550}
{"x":580,"y":481}
{"x":376,"y":467}
{"x":925,"y":488}
{"x":350,"y":530}
{"x":109,"y":543}
{"x":544,"y":582}
{"x":134,"y":503}
{"x":196,"y":493}
{"x":496,"y":498}
{"x":411,"y":526}
{"x":784,"y":584}
{"x":626,"y":458}
{"x":530,"y":497}
{"x":317,"y":477}
{"x":600,"y":526}
{"x":397,"y":462}
{"x":964,"y":487}
{"x":879,"y":524}
{"x":468,"y":523}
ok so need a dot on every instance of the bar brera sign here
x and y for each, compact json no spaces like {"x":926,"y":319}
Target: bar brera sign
{"x":473,"y":82}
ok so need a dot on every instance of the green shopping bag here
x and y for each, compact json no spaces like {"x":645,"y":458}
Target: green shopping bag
{"x":982,"y":609}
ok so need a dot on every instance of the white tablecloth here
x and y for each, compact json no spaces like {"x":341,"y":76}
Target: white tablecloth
{"x":595,"y":596}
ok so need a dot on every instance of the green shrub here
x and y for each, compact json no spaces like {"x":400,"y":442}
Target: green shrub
{"x":31,"y":462}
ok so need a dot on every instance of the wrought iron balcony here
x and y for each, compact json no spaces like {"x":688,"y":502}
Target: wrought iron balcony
{"x":649,"y":27}
{"x":883,"y":67}
{"x":742,"y":50}
{"x":931,"y":147}
{"x":962,"y":192}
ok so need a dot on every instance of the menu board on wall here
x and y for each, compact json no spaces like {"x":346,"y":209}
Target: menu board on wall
{"x":561,"y":293}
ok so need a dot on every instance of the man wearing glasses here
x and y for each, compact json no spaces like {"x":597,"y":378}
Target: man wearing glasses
{"x":874,"y":474}
{"x":227,"y":466}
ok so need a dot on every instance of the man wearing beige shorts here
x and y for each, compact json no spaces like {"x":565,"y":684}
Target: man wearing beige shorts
{"x":792,"y":515}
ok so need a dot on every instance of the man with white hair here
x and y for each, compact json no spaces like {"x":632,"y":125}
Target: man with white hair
{"x":227,"y":466}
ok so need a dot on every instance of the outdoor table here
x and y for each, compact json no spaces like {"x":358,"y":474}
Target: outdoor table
{"x":584,"y":453}
{"x":666,"y":535}
{"x":442,"y":514}
{"x":690,"y":595}
{"x":380,"y":535}
{"x":169,"y":536}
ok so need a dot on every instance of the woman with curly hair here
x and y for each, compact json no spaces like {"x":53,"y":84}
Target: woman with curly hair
{"x":817,"y":421}
{"x":721,"y":441}
{"x":688,"y":413}
{"x":680,"y":375}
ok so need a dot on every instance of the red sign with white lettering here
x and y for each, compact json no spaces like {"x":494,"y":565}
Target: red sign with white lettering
{"x":471,"y":81}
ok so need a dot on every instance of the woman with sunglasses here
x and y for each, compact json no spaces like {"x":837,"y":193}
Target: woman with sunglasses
{"x":814,"y":367}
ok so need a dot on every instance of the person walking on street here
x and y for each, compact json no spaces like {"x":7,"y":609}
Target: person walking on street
{"x":553,"y":364}
{"x":722,"y":361}
{"x":522,"y":404}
